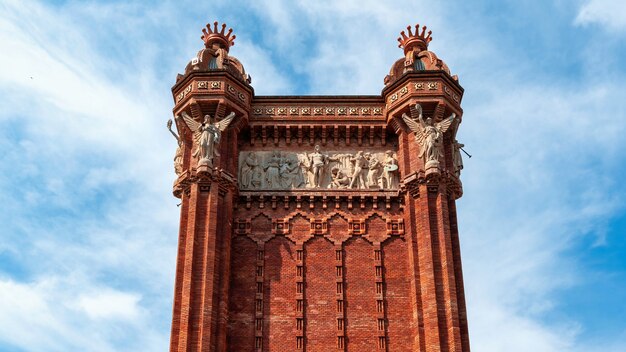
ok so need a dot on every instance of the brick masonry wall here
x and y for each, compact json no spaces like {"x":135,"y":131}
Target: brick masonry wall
{"x":401,"y":325}
{"x":280,"y":292}
{"x":361,"y":329}
{"x":354,"y":283}
{"x":321,"y":295}
{"x":241,"y":326}
{"x":318,"y":271}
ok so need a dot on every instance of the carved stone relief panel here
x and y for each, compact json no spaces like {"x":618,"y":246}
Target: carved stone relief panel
{"x":317,"y":169}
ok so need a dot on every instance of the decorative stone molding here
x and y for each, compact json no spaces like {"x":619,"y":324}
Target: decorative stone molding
{"x":282,"y":110}
{"x":180,"y":96}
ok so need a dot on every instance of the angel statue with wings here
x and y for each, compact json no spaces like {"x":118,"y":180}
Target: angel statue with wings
{"x":429,"y":136}
{"x":207,"y":136}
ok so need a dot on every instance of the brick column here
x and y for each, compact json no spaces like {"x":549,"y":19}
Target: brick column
{"x":458,"y":274}
{"x":201,"y":292}
{"x":434,"y":256}
{"x":200,"y":316}
{"x":407,"y":152}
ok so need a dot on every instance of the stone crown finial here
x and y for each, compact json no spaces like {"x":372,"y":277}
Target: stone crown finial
{"x":418,"y":39}
{"x":211,"y":36}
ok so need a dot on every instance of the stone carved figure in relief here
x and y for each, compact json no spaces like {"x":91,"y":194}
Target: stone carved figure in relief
{"x":178,"y":157}
{"x":390,"y":173}
{"x":207,"y":136}
{"x":361,"y":165}
{"x":375,"y":171}
{"x":272,"y":171}
{"x":290,"y":174}
{"x":305,"y":165}
{"x":250,"y":173}
{"x":318,"y":162}
{"x":429,"y":136}
{"x":284,"y":170}
{"x":339,"y":179}
{"x":457,"y":159}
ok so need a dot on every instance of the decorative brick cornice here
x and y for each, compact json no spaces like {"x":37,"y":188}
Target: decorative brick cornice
{"x":217,"y":75}
{"x":300,"y":111}
{"x":423,"y":77}
{"x":338,"y":133}
{"x":220,"y":85}
{"x":389,"y":224}
{"x":326,"y":199}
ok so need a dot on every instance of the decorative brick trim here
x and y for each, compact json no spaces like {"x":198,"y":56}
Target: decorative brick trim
{"x":381,"y":316}
{"x":280,"y":226}
{"x":259,"y":315}
{"x":356,"y":226}
{"x":300,"y":298}
{"x":319,"y":226}
{"x":341,"y":297}
{"x":395,"y":227}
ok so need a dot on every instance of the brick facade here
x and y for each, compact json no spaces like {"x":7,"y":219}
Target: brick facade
{"x":316,"y":267}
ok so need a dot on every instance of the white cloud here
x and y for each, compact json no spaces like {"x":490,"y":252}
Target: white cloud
{"x":110,"y":304}
{"x":88,"y":155}
{"x":32,"y":317}
{"x":266,"y":78}
{"x":610,"y":14}
{"x":333,"y":43}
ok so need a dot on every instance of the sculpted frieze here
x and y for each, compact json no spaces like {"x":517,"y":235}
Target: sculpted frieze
{"x":317,"y":169}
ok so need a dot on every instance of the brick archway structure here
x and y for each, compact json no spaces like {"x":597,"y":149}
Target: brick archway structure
{"x":318,"y":223}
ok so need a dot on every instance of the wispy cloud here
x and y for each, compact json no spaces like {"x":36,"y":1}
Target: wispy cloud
{"x":610,"y":14}
{"x":85,"y":264}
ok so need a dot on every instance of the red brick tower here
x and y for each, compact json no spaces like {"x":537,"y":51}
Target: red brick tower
{"x":318,"y":223}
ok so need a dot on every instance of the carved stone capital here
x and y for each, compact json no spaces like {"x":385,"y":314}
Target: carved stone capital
{"x":441,"y":181}
{"x":205,"y":177}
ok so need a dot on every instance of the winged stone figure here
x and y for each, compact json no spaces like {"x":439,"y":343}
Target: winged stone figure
{"x":207,"y":136}
{"x":429,"y":135}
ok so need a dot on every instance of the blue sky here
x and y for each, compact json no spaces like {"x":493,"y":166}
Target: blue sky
{"x":89,"y":225}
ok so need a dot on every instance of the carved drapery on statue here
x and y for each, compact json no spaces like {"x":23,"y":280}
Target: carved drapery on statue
{"x":207,"y":137}
{"x":457,"y":159}
{"x":283,"y":170}
{"x":429,"y":136}
{"x":178,"y":157}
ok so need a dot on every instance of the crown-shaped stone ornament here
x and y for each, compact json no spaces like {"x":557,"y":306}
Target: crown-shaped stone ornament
{"x":421,"y":40}
{"x":212,"y":36}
